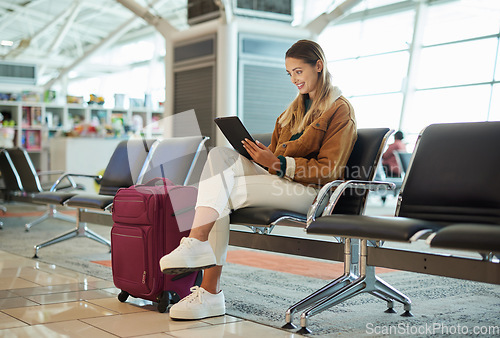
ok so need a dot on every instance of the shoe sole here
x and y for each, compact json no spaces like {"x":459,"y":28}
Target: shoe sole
{"x":178,"y":271}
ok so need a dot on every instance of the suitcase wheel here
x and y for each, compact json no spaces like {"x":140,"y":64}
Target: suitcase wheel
{"x":122,"y":296}
{"x":163,"y":301}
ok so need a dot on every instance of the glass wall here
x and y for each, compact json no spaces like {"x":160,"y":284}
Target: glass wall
{"x":455,"y":69}
{"x":368,"y":59}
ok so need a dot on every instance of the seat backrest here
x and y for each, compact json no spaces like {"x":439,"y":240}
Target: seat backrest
{"x":12,"y":181}
{"x":362,"y":165}
{"x":265,"y":138}
{"x":173,"y":158}
{"x":454,"y":174}
{"x":25,"y":169}
{"x":403,"y":158}
{"x":125,"y":164}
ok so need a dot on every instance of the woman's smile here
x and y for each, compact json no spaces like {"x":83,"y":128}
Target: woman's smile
{"x":302,"y":75}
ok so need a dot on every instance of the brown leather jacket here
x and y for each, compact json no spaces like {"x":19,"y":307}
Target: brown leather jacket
{"x":321,"y":153}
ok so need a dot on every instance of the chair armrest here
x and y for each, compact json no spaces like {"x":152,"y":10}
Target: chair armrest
{"x":109,"y":208}
{"x":340,"y":187}
{"x":50,"y":172}
{"x":324,"y":193}
{"x":69,"y":177}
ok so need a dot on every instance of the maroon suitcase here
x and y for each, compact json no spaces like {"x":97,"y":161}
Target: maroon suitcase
{"x":149,"y":221}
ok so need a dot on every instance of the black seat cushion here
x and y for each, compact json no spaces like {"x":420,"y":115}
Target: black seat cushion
{"x":399,"y":229}
{"x":468,"y":236}
{"x":262,"y":215}
{"x":92,"y":201}
{"x":52,"y":197}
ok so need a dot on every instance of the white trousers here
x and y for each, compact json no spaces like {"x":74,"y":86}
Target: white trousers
{"x":230,"y":181}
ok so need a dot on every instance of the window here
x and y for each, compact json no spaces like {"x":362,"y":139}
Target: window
{"x":370,"y":75}
{"x":368,"y":60}
{"x":457,"y":63}
{"x":456,"y":72}
{"x":495,"y":104}
{"x":378,"y":110}
{"x":460,"y":20}
{"x":459,"y":104}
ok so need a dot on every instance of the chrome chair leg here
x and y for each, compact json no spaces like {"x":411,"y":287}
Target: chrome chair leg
{"x":81,"y":230}
{"x":62,"y":237}
{"x":367,"y":282}
{"x":384,"y":288}
{"x":348,"y":291}
{"x":96,"y":237}
{"x":350,"y":268}
{"x":390,"y":302}
{"x":50,"y":213}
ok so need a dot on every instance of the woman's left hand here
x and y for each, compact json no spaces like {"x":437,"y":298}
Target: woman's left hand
{"x":261,"y":154}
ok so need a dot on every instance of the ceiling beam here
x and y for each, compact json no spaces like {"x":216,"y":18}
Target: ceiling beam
{"x":12,"y":15}
{"x":110,"y":39}
{"x":317,"y":25}
{"x":61,"y":35}
{"x":39,"y":16}
{"x":26,"y":42}
{"x":162,"y":25}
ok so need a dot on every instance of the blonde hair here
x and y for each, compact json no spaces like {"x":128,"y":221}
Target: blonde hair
{"x":295,"y":115}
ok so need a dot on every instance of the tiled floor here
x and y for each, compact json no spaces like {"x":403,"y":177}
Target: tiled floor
{"x":42,"y":300}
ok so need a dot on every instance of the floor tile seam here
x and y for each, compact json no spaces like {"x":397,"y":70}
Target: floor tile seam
{"x":18,"y":319}
{"x":74,"y":301}
{"x":138,"y":310}
{"x":50,"y":293}
{"x":29,"y":281}
{"x":67,"y":301}
{"x":100,"y":329}
{"x":77,"y":301}
{"x":266,"y":325}
{"x":100,"y":306}
{"x":29,"y":300}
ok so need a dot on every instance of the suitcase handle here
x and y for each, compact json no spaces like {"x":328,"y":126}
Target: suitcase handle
{"x":155,"y":181}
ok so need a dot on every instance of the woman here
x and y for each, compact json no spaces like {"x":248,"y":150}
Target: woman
{"x":310,"y":146}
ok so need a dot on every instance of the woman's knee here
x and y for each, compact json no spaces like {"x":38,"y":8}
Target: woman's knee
{"x":222,"y":152}
{"x":219,"y":155}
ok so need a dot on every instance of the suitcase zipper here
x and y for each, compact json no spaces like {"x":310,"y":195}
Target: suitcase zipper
{"x":138,"y":201}
{"x":127,"y":236}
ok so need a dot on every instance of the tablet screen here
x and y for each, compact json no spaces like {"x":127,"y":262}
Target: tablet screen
{"x":235,"y":132}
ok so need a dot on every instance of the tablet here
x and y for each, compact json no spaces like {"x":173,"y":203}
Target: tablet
{"x":235,"y":132}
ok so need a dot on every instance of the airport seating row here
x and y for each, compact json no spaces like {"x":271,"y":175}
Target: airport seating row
{"x":448,"y":198}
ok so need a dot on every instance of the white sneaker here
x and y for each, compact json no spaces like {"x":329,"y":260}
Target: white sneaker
{"x":190,"y":255}
{"x":199,"y":304}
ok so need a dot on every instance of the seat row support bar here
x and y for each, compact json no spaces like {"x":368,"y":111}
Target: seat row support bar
{"x":288,"y":245}
{"x":436,"y":264}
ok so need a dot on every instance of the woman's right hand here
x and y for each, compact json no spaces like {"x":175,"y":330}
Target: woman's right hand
{"x":261,"y":154}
